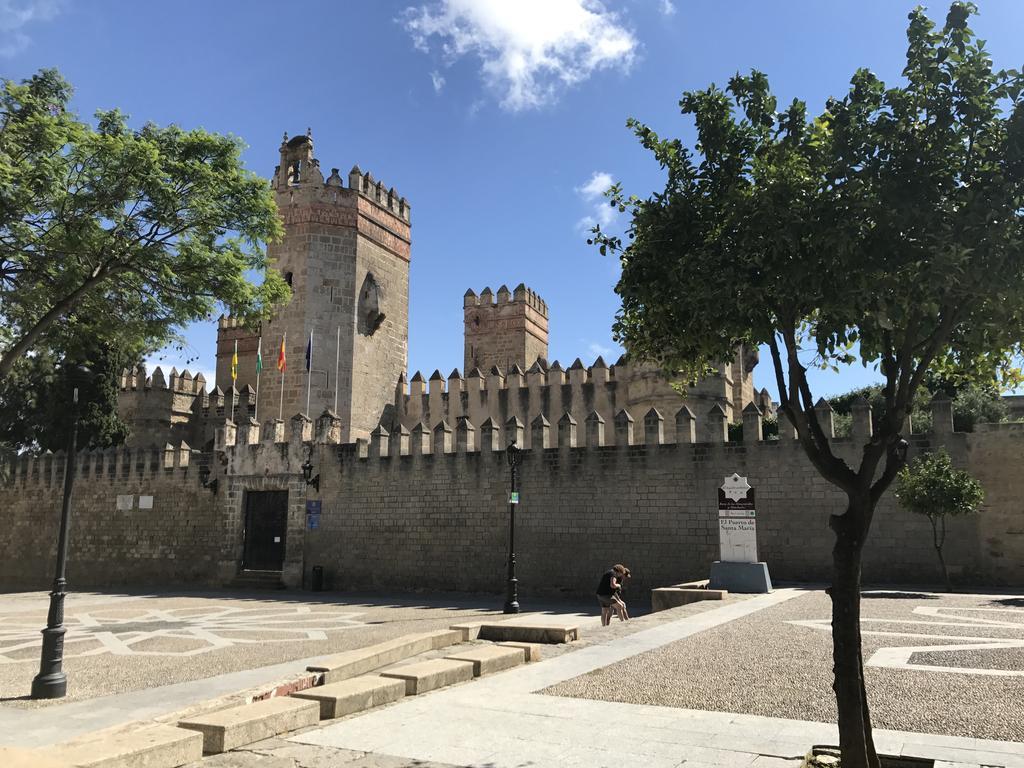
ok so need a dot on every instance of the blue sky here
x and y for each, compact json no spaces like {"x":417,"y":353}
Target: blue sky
{"x":498,"y":120}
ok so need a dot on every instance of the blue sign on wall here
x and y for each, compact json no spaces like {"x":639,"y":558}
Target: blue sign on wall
{"x":313,"y":521}
{"x":313,"y":506}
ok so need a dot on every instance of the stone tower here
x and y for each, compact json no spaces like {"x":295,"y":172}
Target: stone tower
{"x":511,"y":330}
{"x":345,"y":253}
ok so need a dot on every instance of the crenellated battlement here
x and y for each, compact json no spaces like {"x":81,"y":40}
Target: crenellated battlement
{"x":134,"y":380}
{"x":174,"y":461}
{"x":521,"y":295}
{"x":375,"y":190}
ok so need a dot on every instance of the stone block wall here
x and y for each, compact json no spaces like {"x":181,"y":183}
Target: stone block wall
{"x":428,"y":509}
{"x":139,"y":519}
{"x":440,"y":520}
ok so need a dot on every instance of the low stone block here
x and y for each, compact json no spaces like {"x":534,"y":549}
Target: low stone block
{"x":546,"y":632}
{"x":740,"y":577}
{"x":487,"y":659}
{"x":227,"y":729}
{"x":663,"y":598}
{"x":359,"y":661}
{"x":353,"y":695}
{"x":425,"y":676}
{"x":532,"y":650}
{"x":154,"y":746}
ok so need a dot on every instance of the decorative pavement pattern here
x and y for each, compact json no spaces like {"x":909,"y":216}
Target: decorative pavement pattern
{"x":176,"y":631}
{"x":936,"y":663}
{"x":921,"y":657}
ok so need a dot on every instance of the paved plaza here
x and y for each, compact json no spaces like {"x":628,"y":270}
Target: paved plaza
{"x":118,"y":643}
{"x":742,"y":683}
{"x":935,"y":663}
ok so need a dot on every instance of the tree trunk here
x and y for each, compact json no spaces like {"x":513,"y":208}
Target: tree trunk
{"x":939,"y":540}
{"x":855,"y":739}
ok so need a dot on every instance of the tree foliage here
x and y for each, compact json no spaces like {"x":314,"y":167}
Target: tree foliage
{"x":119,"y":235}
{"x":887,"y":229}
{"x":973,"y":403}
{"x":36,"y":400}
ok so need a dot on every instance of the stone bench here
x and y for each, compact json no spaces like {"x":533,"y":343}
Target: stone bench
{"x":154,"y":746}
{"x":359,"y":661}
{"x":424,"y":676}
{"x":487,"y":659}
{"x":353,"y":695}
{"x":227,"y":729}
{"x":537,"y":632}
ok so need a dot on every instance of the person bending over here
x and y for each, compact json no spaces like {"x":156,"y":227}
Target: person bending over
{"x":606,"y":590}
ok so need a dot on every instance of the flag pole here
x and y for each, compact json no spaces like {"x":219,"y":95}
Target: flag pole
{"x":259,"y":370}
{"x":234,"y":377}
{"x":337,"y":364}
{"x":280,"y":408}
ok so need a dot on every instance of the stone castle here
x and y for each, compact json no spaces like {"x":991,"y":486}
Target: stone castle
{"x":346,"y":254}
{"x":389,"y":483}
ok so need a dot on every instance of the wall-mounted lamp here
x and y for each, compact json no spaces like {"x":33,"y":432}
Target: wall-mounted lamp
{"x":307,"y":475}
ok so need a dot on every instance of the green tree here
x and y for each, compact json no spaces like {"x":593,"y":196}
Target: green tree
{"x":120,"y":235}
{"x":35,"y":400}
{"x":890,"y":224}
{"x":930,"y":486}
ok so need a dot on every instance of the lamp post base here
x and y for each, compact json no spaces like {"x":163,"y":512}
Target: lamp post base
{"x":51,"y":682}
{"x":512,"y":597}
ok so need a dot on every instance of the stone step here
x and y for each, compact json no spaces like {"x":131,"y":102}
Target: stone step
{"x":153,"y":746}
{"x":425,"y":676}
{"x":257,"y":580}
{"x":534,"y":632}
{"x":227,"y":729}
{"x":359,"y":661}
{"x":532,"y":650}
{"x":353,"y":695}
{"x":487,"y":659}
{"x":469,"y":629}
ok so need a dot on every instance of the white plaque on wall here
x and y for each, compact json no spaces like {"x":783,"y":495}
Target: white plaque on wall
{"x":125,"y":502}
{"x":145,"y":502}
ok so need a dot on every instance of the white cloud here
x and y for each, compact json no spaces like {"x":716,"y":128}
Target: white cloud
{"x":529,"y":50}
{"x":597,"y":350}
{"x":438,"y":80}
{"x":592,"y":193}
{"x":15,"y":15}
{"x":668,"y":8}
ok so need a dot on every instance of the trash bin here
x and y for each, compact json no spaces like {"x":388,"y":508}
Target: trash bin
{"x":317,"y":580}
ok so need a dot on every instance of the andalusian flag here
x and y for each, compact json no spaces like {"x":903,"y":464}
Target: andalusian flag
{"x":282,"y":363}
{"x":259,"y":356}
{"x":234,"y":364}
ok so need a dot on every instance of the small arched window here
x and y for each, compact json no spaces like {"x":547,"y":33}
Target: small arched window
{"x":294,"y":172}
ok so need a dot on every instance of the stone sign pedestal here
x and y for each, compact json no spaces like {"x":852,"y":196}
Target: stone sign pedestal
{"x":740,"y":577}
{"x":738,"y":570}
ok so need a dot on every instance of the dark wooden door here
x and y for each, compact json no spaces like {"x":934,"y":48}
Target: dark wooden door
{"x":266,"y":523}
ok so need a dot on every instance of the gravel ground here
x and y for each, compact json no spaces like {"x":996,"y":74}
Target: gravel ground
{"x":118,"y":643}
{"x":762,"y":664}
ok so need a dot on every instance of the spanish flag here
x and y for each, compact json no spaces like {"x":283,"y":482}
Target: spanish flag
{"x":234,"y":364}
{"x":282,"y":363}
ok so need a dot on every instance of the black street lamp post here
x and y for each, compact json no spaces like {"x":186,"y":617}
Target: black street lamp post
{"x":514,"y":456}
{"x":52,"y":682}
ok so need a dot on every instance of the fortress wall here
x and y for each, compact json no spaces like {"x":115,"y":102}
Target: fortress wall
{"x":178,"y":542}
{"x":440,"y":520}
{"x":428,"y":509}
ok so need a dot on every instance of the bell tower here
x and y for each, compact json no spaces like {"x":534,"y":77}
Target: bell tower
{"x":345,"y":253}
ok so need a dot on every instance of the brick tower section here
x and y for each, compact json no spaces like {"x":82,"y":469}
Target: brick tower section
{"x":228,"y":332}
{"x":345,"y":252}
{"x":504,"y":330}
